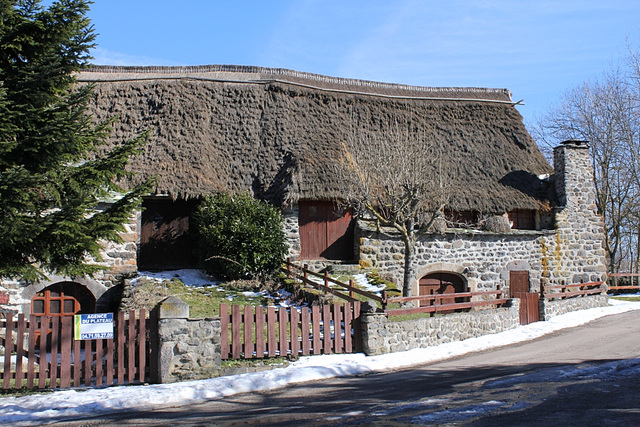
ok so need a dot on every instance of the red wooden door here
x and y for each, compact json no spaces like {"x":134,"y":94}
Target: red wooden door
{"x":518,"y":283}
{"x":519,"y":287}
{"x":63,"y":299}
{"x":325,"y":232}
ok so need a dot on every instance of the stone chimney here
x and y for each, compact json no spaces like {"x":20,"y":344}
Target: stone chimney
{"x":574,"y":176}
{"x":578,"y":245}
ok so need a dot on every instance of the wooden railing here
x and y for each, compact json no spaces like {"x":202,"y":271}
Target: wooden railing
{"x":303,"y":273}
{"x":571,"y":291}
{"x":613,"y":284}
{"x":441,"y":303}
{"x":257,"y":332}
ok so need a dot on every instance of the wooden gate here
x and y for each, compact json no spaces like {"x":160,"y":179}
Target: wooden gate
{"x":257,"y":332}
{"x":529,"y":307}
{"x":41,"y":353}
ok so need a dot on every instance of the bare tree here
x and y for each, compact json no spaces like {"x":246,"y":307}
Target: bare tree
{"x":605,"y":112}
{"x":393,"y":180}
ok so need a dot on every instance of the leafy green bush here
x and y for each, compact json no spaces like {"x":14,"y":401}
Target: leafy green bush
{"x":239,"y":237}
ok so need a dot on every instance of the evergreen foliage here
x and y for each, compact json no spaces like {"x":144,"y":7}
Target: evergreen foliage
{"x":54,"y":168}
{"x":239,"y":237}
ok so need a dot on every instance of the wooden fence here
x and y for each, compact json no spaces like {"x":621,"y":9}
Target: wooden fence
{"x":617,"y":282}
{"x":256,"y":332}
{"x":302,"y":274}
{"x":564,"y":291}
{"x":41,"y":353}
{"x":442,"y":303}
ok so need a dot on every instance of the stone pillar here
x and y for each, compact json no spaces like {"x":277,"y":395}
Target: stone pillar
{"x":373,"y":333}
{"x":292,"y":231}
{"x":187,"y":349}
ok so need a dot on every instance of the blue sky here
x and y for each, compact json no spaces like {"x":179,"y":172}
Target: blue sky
{"x":536,"y":49}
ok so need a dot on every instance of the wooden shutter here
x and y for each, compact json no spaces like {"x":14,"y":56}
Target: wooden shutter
{"x":325,"y":232}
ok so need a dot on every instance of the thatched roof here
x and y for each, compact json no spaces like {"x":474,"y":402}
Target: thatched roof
{"x":276,"y":132}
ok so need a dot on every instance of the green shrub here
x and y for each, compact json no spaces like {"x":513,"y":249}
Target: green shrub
{"x":239,"y":237}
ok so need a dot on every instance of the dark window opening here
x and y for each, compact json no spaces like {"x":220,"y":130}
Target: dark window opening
{"x":462,"y":219}
{"x":522,"y":219}
{"x":167,"y":238}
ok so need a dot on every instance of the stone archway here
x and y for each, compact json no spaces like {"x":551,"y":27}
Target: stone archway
{"x":442,"y":267}
{"x":442,"y":283}
{"x":91,"y":289}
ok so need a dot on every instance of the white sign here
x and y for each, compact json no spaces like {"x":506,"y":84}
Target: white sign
{"x":96,"y":326}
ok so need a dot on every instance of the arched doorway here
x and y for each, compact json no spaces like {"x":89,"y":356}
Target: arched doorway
{"x":441,"y":283}
{"x":63,"y":299}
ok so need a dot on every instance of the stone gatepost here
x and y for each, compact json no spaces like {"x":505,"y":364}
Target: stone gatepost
{"x":187,"y":349}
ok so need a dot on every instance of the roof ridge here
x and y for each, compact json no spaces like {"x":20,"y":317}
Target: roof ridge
{"x":283,"y":72}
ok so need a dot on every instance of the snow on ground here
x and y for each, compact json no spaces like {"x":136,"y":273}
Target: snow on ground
{"x":362,"y":281}
{"x":69,"y":404}
{"x":189,"y":277}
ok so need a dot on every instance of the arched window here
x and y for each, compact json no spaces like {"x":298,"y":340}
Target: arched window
{"x":63,"y":299}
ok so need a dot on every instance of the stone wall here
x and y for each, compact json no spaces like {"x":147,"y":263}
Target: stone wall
{"x":120,"y":258}
{"x":384,"y":335}
{"x":189,"y":349}
{"x":555,"y":308}
{"x":17,"y":301}
{"x":484,"y":259}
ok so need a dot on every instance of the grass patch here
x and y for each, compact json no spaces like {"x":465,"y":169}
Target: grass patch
{"x":203,"y":301}
{"x":413,"y":316}
{"x":239,"y":363}
{"x":629,"y":298}
{"x":23,"y":392}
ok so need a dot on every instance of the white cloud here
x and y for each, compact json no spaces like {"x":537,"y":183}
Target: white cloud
{"x":107,"y":57}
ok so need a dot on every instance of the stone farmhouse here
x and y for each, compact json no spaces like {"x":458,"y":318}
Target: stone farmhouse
{"x":277,"y":133}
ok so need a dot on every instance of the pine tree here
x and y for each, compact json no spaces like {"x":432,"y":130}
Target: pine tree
{"x":54,"y":166}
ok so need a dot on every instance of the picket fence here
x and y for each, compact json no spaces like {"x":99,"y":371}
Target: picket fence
{"x":256,"y":332}
{"x":41,"y":353}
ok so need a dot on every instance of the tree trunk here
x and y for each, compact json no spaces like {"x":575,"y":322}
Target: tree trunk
{"x":408,"y":272}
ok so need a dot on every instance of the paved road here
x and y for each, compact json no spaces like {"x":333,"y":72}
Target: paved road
{"x":548,"y":381}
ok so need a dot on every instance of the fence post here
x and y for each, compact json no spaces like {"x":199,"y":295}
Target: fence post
{"x":305,"y":273}
{"x":326,"y":281}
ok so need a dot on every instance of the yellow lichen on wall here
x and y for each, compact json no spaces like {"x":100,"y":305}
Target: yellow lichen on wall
{"x":544,"y":259}
{"x":364,"y":263}
{"x":558,"y":253}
